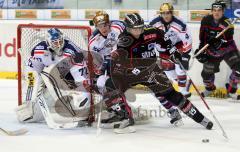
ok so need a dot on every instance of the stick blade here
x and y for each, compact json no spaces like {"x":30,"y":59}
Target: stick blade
{"x":15,"y":132}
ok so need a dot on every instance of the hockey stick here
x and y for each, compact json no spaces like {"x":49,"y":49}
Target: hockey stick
{"x":220,"y":34}
{"x":14,"y":133}
{"x":204,"y":101}
{"x":100,"y":110}
{"x":99,"y":129}
{"x":48,"y":117}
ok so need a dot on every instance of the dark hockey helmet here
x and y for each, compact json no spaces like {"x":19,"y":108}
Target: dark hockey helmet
{"x":219,"y":4}
{"x":134,"y":20}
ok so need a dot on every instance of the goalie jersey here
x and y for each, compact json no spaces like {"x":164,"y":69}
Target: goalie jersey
{"x":42,"y":56}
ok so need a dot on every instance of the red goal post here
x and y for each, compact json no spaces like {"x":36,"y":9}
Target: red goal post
{"x":28,"y":35}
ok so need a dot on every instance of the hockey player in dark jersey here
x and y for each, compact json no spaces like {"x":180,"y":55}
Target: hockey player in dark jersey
{"x":223,"y":48}
{"x":135,"y":62}
{"x":108,"y":31}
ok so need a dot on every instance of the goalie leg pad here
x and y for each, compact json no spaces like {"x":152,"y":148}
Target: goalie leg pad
{"x":29,"y":112}
{"x":33,"y":88}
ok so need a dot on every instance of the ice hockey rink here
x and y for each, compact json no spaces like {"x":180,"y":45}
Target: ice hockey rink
{"x":156,"y":135}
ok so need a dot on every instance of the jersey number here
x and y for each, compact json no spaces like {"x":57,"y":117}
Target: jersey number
{"x":83,"y":71}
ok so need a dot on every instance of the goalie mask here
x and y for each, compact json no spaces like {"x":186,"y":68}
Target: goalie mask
{"x":55,"y":40}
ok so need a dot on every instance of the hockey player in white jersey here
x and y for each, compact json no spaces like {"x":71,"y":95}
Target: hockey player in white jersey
{"x":104,"y":41}
{"x":177,"y":31}
{"x":70,"y":64}
{"x":105,"y":37}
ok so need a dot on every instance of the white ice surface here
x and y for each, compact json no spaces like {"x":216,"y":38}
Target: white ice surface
{"x":158,"y":135}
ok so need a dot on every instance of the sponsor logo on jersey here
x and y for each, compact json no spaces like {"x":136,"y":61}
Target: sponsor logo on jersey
{"x":150,"y":36}
{"x":39,"y":47}
{"x":30,"y":79}
{"x":149,"y":54}
{"x":97,"y":49}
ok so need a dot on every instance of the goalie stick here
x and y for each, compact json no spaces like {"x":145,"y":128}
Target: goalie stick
{"x":46,"y":112}
{"x":14,"y":132}
{"x":50,"y":121}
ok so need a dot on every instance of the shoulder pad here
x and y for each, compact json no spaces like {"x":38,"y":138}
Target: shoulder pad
{"x":125,"y":41}
{"x":207,"y":19}
{"x":119,"y":23}
{"x":179,"y":22}
{"x":70,"y":46}
{"x":42,"y":46}
{"x":155,"y":20}
{"x":94,"y":33}
{"x":226,"y":21}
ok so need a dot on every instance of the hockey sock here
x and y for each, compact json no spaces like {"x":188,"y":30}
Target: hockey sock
{"x":168,"y":105}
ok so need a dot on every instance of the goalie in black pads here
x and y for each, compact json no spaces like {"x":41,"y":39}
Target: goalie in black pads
{"x":135,"y":62}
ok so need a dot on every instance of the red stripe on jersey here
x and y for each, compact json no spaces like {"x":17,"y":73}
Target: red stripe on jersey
{"x":67,"y":55}
{"x":178,"y":29}
{"x":185,"y":49}
{"x":90,"y":42}
{"x":117,"y":27}
{"x":38,"y":52}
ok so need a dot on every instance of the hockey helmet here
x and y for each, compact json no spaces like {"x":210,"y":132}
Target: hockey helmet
{"x":100,"y":18}
{"x":55,"y":40}
{"x":134,"y":20}
{"x":219,"y":4}
{"x":166,"y":7}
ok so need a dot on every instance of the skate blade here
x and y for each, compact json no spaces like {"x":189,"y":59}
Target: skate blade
{"x":178,"y":123}
{"x":129,"y":129}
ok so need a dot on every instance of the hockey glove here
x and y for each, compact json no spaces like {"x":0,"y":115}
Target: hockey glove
{"x":202,"y":57}
{"x":215,"y":43}
{"x":78,"y":57}
{"x":175,"y":56}
{"x":106,"y":65}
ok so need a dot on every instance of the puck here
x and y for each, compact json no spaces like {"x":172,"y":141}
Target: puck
{"x":205,"y":140}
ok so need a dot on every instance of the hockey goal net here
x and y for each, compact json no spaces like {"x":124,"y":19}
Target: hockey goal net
{"x":28,"y":35}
